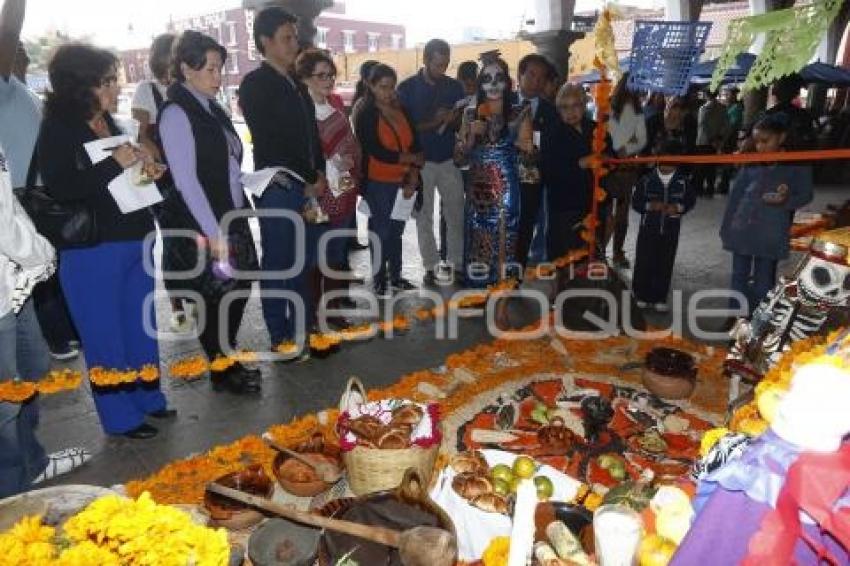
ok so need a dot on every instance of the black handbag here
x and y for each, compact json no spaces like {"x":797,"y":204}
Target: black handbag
{"x":182,"y":254}
{"x":65,"y":224}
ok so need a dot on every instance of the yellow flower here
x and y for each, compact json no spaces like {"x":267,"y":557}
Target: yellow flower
{"x":140,"y":532}
{"x":592,"y":501}
{"x":87,"y":553}
{"x":710,"y":438}
{"x":496,"y":553}
{"x":28,"y":543}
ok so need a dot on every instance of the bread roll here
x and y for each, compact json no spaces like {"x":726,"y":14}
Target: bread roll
{"x":491,"y":503}
{"x":408,"y":415}
{"x":469,"y":462}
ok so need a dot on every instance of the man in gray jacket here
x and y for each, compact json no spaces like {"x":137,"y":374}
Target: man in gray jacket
{"x":711,"y":134}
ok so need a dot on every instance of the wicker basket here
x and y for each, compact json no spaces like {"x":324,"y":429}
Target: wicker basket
{"x":372,"y":469}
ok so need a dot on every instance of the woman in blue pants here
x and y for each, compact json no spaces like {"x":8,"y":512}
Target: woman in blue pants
{"x":105,"y":282}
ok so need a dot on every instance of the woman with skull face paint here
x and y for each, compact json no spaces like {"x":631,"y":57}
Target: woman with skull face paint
{"x":489,"y":137}
{"x":759,"y":212}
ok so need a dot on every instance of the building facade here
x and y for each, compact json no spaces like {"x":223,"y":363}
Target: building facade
{"x":234,"y":28}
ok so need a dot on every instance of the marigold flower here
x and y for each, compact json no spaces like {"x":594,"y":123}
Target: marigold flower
{"x":189,"y":368}
{"x":496,"y":553}
{"x":17,"y":391}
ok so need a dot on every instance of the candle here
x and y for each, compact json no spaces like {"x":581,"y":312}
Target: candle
{"x":522,"y":532}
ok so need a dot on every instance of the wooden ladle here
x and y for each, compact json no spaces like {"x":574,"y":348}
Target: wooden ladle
{"x":328,"y":473}
{"x":419,"y":546}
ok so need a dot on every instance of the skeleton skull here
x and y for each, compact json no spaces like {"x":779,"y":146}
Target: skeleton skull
{"x":493,"y":81}
{"x":824,"y":283}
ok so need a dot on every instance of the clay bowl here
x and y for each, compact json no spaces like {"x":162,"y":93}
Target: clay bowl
{"x":231,"y":514}
{"x":299,"y":479}
{"x":405,"y":507}
{"x":669,"y":373}
{"x":278,"y":542}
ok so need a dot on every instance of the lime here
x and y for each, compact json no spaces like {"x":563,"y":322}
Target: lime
{"x":545,"y":487}
{"x":501,"y":487}
{"x":617,"y":471}
{"x":502,"y":472}
{"x":606,"y":460}
{"x":524,"y":467}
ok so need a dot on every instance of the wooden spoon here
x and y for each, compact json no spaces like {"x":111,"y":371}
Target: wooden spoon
{"x":419,"y":546}
{"x":328,"y":473}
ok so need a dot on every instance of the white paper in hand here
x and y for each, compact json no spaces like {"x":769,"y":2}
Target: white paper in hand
{"x":363,"y":208}
{"x":403,"y":207}
{"x":257,"y":182}
{"x":128,"y":195}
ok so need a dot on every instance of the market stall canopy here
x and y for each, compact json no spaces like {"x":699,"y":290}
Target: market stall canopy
{"x":819,"y":73}
{"x":737,"y":73}
{"x":823,"y":73}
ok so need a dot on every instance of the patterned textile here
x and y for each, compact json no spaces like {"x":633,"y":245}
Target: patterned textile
{"x":664,"y":55}
{"x":492,"y":209}
{"x":791,"y":37}
{"x":338,"y":139}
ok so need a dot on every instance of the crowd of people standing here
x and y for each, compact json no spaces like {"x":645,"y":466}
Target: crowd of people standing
{"x":511,"y":166}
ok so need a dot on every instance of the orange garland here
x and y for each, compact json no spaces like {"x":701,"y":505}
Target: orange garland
{"x":602,"y":96}
{"x":18,"y":391}
{"x":111,"y":377}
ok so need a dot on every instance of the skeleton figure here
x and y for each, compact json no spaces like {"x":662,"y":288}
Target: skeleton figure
{"x":792,"y":311}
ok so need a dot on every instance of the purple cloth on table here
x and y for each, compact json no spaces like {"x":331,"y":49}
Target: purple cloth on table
{"x":179,"y":145}
{"x":723,"y":529}
{"x":759,"y":471}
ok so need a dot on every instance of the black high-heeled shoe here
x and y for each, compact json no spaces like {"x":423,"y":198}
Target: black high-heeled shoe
{"x":142,"y":432}
{"x":164,"y":414}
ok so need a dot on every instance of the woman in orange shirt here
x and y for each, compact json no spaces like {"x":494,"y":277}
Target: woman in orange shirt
{"x":392,"y":161}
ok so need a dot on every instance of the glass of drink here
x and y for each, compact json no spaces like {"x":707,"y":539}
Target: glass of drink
{"x":617,"y":530}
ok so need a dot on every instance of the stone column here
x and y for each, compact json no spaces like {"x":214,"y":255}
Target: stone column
{"x":305,"y":10}
{"x":682,"y":10}
{"x":555,"y":46}
{"x":552,"y":34}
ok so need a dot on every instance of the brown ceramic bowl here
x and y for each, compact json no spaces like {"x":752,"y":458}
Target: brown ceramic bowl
{"x":298,"y":478}
{"x":231,"y":514}
{"x":670,"y":373}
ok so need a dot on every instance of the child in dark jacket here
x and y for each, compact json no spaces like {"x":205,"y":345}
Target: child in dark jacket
{"x":759,"y":213}
{"x":661,"y":197}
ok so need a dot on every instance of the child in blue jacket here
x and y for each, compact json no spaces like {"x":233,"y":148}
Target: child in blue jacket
{"x":661,"y":197}
{"x":756,"y":225}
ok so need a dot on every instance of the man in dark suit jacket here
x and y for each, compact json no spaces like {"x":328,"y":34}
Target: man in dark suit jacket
{"x":532,"y":74}
{"x":282,"y":119}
